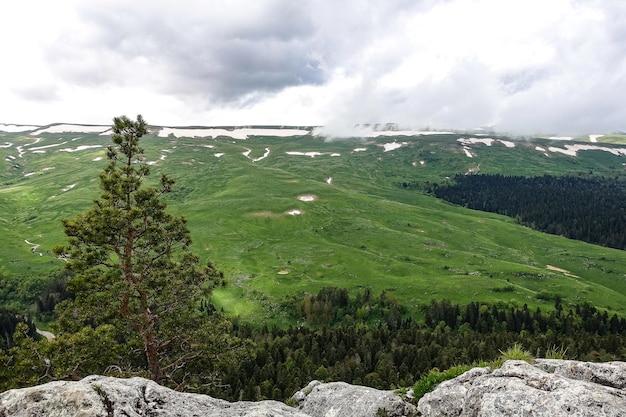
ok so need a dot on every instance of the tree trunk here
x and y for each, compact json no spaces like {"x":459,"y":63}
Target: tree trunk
{"x":151,"y":349}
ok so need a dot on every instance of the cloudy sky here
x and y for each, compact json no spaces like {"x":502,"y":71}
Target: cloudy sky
{"x":525,"y":66}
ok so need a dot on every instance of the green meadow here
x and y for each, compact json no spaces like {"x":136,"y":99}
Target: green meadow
{"x":280,"y":223}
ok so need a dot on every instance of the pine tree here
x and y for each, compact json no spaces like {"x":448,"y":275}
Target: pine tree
{"x":131,"y":260}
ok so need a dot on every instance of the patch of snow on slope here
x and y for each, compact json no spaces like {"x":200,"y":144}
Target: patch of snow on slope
{"x":69,"y":128}
{"x":80,"y":148}
{"x":507,"y":143}
{"x":470,"y":141}
{"x":219,"y":154}
{"x":572,"y":150}
{"x":238,"y":133}
{"x":162,"y":158}
{"x":594,"y":138}
{"x":6,"y":145}
{"x":311,"y":154}
{"x":16,"y":128}
{"x":359,"y":149}
{"x":393,"y":145}
{"x":265,"y":155}
{"x":467,"y":152}
{"x":561,"y":137}
{"x":39,"y":148}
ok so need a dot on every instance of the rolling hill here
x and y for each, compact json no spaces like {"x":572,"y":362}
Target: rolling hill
{"x":287,"y":210}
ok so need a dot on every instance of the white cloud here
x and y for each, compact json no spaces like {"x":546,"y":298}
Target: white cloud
{"x":519,"y":65}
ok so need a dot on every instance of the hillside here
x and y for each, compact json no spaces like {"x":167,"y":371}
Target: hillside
{"x":284,"y":211}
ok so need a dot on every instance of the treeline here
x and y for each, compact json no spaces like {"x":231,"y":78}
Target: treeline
{"x":8,"y":323}
{"x":394,"y":352}
{"x":332,"y":305}
{"x":591,"y":209}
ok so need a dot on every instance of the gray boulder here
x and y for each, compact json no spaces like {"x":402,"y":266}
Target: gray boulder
{"x":339,"y":399}
{"x":548,"y":388}
{"x":98,"y":396}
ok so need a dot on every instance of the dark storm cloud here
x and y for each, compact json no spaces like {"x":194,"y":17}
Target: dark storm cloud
{"x":202,"y":51}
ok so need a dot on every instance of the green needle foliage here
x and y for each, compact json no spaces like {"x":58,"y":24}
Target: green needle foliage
{"x":131,"y":261}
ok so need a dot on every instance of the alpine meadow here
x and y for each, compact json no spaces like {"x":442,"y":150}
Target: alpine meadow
{"x":286,"y":228}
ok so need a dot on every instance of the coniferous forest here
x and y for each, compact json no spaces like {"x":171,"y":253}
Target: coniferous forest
{"x":384,"y":351}
{"x":590,"y":209}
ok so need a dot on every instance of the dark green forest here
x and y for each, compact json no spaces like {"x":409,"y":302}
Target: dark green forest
{"x":362,"y":340}
{"x":384,"y":350}
{"x":590,"y":209}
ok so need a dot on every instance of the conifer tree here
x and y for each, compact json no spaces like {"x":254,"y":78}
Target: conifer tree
{"x":131,"y":260}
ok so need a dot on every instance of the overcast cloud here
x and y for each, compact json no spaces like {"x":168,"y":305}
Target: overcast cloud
{"x":522,"y":66}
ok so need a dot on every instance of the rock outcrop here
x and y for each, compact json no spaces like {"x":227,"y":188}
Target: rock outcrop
{"x":345,"y":400}
{"x":547,"y":388}
{"x":98,"y":396}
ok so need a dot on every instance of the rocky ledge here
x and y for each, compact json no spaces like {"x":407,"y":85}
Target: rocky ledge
{"x":546,"y":388}
{"x":549,"y":387}
{"x":99,"y":396}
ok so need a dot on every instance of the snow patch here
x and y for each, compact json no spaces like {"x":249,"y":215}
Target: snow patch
{"x":307,"y":197}
{"x":594,"y":138}
{"x":265,"y":155}
{"x":359,"y":149}
{"x":6,"y":145}
{"x":162,"y":158}
{"x":507,"y":143}
{"x":99,"y":158}
{"x":311,"y":154}
{"x":393,"y":145}
{"x":467,"y":151}
{"x":46,"y":147}
{"x":294,"y":212}
{"x":561,"y":137}
{"x":80,"y":148}
{"x":69,"y":187}
{"x":572,"y":150}
{"x":16,"y":128}
{"x":470,"y":141}
{"x":237,"y":133}
{"x":219,"y":154}
{"x":69,"y":128}
{"x":329,"y":180}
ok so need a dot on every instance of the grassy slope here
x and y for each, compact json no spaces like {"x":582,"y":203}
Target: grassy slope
{"x":360,"y":231}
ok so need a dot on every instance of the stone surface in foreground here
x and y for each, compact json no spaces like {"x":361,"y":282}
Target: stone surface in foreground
{"x":98,"y":396}
{"x":548,"y":388}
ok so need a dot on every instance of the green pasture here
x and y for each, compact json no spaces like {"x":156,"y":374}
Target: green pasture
{"x":285,"y":224}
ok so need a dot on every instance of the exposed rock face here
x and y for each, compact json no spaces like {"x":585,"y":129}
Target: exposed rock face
{"x":345,"y":400}
{"x":547,"y":388}
{"x":98,"y":396}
